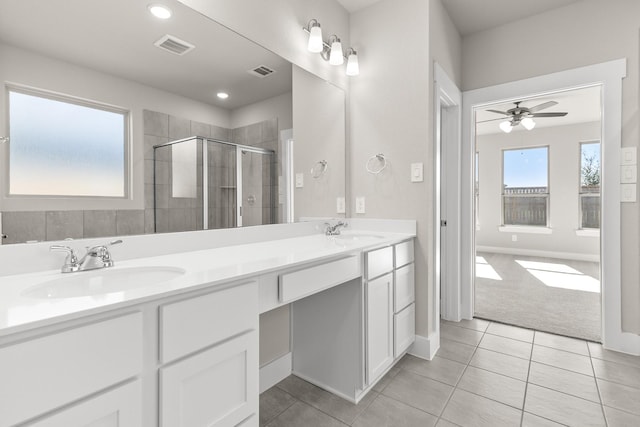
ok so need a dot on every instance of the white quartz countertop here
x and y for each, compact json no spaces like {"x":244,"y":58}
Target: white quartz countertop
{"x":203,"y":268}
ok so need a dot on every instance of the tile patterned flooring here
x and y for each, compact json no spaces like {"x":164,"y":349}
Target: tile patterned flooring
{"x":485,"y":374}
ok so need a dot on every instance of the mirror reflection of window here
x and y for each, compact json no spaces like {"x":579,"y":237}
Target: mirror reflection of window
{"x":525,"y":190}
{"x":64,"y":147}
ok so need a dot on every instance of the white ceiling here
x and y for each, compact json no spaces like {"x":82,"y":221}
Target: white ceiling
{"x":355,"y":5}
{"x":583,"y":105}
{"x":471,"y":16}
{"x":117,"y":36}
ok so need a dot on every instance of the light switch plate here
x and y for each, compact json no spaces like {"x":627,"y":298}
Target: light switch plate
{"x":299,"y":180}
{"x":629,"y":174}
{"x":360,"y":208}
{"x":340,"y":205}
{"x":628,"y":156}
{"x":417,"y":172}
{"x":627,"y":193}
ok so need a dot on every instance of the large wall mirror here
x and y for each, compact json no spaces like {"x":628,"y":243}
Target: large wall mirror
{"x":116,"y":124}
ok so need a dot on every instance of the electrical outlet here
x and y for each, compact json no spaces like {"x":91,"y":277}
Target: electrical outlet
{"x":514,"y":237}
{"x":340,"y":205}
{"x":299,"y":180}
{"x":360,"y":209}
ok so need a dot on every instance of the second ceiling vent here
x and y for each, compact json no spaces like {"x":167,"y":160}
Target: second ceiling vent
{"x":261,"y":71}
{"x":174,"y":45}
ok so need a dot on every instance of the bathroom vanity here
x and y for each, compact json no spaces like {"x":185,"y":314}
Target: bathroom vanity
{"x":184,"y":351}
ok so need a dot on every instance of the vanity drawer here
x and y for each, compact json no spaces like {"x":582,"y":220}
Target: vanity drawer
{"x":404,"y":328}
{"x":198,"y":322}
{"x":404,"y":253}
{"x":301,"y":283}
{"x":404,"y":290}
{"x":42,"y":374}
{"x":379,"y":262}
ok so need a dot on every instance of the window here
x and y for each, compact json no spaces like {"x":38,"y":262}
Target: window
{"x":590,"y":185}
{"x":61,"y":146}
{"x":525,"y":186}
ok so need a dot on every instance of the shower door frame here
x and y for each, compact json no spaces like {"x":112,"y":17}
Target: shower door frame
{"x":205,"y":170}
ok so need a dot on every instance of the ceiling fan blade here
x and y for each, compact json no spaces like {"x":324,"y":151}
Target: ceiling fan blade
{"x":499,"y":112}
{"x":542,"y":106}
{"x":548,"y":114}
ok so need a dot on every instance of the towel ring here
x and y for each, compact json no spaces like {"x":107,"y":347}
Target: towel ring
{"x":382,"y":160}
{"x":319,"y":168}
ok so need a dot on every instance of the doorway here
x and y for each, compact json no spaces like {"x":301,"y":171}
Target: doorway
{"x":537,"y":212}
{"x":609,"y":75}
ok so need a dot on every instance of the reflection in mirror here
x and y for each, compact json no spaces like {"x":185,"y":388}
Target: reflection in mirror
{"x":319,"y":147}
{"x":234,"y":167}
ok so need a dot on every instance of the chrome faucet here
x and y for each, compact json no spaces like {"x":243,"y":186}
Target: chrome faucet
{"x":70,"y":262}
{"x":334,"y":230}
{"x":96,"y":257}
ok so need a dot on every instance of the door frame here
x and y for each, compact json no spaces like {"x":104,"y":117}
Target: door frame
{"x":447,"y":147}
{"x":609,"y":75}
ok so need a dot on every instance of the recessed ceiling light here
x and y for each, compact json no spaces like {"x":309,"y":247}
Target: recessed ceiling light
{"x":222,"y":95}
{"x":159,"y":11}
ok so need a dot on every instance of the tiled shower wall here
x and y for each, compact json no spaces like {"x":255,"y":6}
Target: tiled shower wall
{"x":174,"y":214}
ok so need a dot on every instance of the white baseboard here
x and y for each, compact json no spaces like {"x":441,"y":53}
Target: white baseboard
{"x":425,"y":347}
{"x":539,"y":253}
{"x":274,"y":372}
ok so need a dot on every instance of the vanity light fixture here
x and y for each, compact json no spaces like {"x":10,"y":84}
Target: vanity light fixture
{"x":160,"y":11}
{"x":353,"y":69}
{"x":316,"y":45}
{"x":332,"y":50}
{"x":222,"y":95}
{"x":336,"y":57}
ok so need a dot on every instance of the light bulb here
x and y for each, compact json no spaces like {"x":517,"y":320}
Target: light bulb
{"x":506,"y":126}
{"x":159,"y":11}
{"x":316,"y":45}
{"x":222,"y":95}
{"x":528,"y":123}
{"x":336,"y":57}
{"x":352,"y":63}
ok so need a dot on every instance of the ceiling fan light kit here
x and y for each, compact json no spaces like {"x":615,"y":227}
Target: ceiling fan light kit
{"x":524,"y":116}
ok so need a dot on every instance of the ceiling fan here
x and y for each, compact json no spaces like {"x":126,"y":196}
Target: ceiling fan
{"x":523,"y":115}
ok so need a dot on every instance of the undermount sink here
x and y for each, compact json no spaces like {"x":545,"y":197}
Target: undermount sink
{"x":356,"y":237}
{"x":103,"y":281}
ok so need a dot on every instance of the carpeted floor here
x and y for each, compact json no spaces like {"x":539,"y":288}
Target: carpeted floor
{"x":551,"y":295}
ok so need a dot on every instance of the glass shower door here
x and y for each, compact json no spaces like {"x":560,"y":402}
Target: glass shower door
{"x":257,"y":189}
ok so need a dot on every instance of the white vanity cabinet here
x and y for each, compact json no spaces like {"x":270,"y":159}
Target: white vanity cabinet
{"x":119,"y":407}
{"x":216,"y":384}
{"x":389,"y":306}
{"x":43,"y":373}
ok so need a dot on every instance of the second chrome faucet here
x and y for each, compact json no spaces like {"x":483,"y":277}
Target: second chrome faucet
{"x":96,"y":257}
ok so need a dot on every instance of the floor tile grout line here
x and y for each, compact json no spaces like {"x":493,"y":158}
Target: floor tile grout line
{"x":409,"y":405}
{"x":295,"y":399}
{"x":526,"y":386}
{"x":595,"y":378}
{"x":462,"y":375}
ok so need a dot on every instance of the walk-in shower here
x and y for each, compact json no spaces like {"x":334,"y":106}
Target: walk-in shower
{"x":203,"y":183}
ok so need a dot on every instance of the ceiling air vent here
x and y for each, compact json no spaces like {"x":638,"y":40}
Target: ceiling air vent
{"x":174,"y":45}
{"x":261,"y":71}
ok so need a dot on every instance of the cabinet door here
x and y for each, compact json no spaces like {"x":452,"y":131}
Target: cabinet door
{"x":217,"y":387}
{"x":120,"y":407}
{"x":404,"y":329}
{"x":379,"y":326}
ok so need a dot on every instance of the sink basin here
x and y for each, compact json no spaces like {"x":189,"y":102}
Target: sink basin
{"x":356,"y":237}
{"x":104,"y":281}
